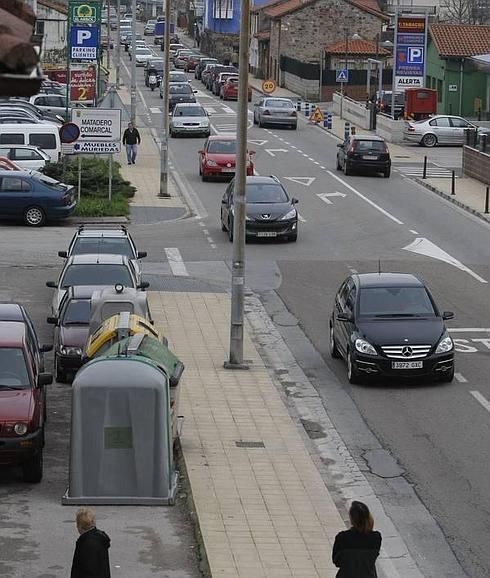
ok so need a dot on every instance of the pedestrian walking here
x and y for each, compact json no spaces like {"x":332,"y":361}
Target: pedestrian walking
{"x":131,"y":138}
{"x":355,"y":550}
{"x":91,"y":557}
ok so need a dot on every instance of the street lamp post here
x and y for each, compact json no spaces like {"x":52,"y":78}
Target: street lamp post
{"x":118,"y":44}
{"x":133,"y":61}
{"x":165,"y":80}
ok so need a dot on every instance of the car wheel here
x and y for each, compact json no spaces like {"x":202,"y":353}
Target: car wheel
{"x":32,"y":470}
{"x":223,"y":228}
{"x":352,"y":374}
{"x":447,"y":376}
{"x":339,"y":166}
{"x":334,"y":352}
{"x":387,"y":173}
{"x":429,"y":140}
{"x":34,"y":217}
{"x":60,"y":374}
{"x":230,"y":230}
{"x":347,"y":170}
{"x":255,"y":119}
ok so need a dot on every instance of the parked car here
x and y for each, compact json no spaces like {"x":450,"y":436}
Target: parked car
{"x":192,"y":62}
{"x":27,"y":157}
{"x":149,"y":29}
{"x":17,"y":103}
{"x":110,"y":240}
{"x":179,"y":92}
{"x":364,"y":153}
{"x":94,"y":269}
{"x":44,"y":136}
{"x":440,"y":129}
{"x":17,"y":119}
{"x":190,"y":119}
{"x":203,"y":62}
{"x":270,"y":212}
{"x":220,"y":80}
{"x":52,"y":103}
{"x":22,"y":393}
{"x":174,"y":46}
{"x":177,"y":76}
{"x":15,"y":114}
{"x":218,"y":157}
{"x":214,"y":71}
{"x":388,"y":325}
{"x":139,"y":44}
{"x":277,"y":111}
{"x":34,"y":198}
{"x":180,"y":57}
{"x":229,"y":89}
{"x":383,"y":103}
{"x":71,"y":330}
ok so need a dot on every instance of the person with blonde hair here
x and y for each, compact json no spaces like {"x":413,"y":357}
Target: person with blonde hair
{"x":91,"y":557}
{"x":355,"y":550}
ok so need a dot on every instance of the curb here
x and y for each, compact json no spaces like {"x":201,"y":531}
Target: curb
{"x":99,"y":220}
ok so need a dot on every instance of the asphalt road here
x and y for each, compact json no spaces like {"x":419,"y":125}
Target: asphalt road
{"x":438,"y":433}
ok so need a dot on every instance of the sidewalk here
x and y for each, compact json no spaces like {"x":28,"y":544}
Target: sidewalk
{"x":262,"y":507}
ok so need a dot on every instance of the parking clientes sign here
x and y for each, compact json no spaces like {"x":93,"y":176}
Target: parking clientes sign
{"x":84,"y":42}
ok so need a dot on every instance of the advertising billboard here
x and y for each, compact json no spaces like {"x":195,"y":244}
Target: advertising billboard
{"x":410,"y":52}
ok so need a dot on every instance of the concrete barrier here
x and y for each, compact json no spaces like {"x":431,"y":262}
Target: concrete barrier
{"x":353,"y":111}
{"x":391,"y":130}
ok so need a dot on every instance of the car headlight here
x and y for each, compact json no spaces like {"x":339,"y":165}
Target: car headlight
{"x":365,"y":347}
{"x":205,"y":123}
{"x":20,"y":428}
{"x":73,"y":351}
{"x":211,"y":163}
{"x":289,"y":215}
{"x":445,"y":344}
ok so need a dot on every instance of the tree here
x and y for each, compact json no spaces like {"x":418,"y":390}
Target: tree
{"x":465,"y":11}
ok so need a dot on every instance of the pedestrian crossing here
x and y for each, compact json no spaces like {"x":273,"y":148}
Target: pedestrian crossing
{"x":418,"y":171}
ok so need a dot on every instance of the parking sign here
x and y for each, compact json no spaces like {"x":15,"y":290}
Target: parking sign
{"x":84,"y":41}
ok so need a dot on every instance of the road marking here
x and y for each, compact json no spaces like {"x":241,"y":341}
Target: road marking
{"x":293,"y":147}
{"x":364,"y":198}
{"x":325,"y":199}
{"x":229,"y":110}
{"x":301,"y":218}
{"x":176,"y":262}
{"x":481,"y":399}
{"x":322,"y":167}
{"x":306,"y":181}
{"x":316,"y":162}
{"x":305,"y":155}
{"x":272,"y":151}
{"x":425,"y":247}
{"x":469,"y":329}
{"x":258,"y":142}
{"x":209,"y":109}
{"x":413,"y":231}
{"x":155,"y":110}
{"x":460,"y":378}
{"x":299,"y":150}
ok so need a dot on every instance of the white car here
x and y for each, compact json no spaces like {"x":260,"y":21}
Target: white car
{"x":189,"y":118}
{"x":142,"y":55}
{"x":27,"y":157}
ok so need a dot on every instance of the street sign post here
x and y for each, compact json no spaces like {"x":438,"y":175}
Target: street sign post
{"x":342,"y":75}
{"x":269,"y":86}
{"x":410,"y":51}
{"x":100,"y":130}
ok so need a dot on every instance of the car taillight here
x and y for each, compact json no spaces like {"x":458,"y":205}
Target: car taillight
{"x":66,"y":199}
{"x":411,"y":128}
{"x":267,"y":111}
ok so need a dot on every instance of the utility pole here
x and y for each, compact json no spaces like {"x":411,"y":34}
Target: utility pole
{"x":164,"y":140}
{"x":118,"y":45}
{"x":239,"y":202}
{"x":133,"y":61}
{"x":108,"y":34}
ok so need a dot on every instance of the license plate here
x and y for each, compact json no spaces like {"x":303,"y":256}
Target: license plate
{"x":266,"y":234}
{"x":370,"y":157}
{"x":232,"y":170}
{"x":407,"y":365}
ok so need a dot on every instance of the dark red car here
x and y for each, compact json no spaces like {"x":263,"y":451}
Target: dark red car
{"x":229,"y":90}
{"x":218,"y":157}
{"x":22,"y":393}
{"x":191,"y":62}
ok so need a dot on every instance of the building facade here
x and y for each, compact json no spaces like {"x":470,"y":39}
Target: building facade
{"x":52,"y":25}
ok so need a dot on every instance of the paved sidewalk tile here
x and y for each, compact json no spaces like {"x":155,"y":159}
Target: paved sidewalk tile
{"x":264,"y":511}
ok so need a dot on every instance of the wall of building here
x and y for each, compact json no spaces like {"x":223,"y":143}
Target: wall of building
{"x":224,"y":47}
{"x":476,"y":164}
{"x":222,"y":25}
{"x":55,"y":28}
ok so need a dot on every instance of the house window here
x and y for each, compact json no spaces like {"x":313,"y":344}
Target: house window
{"x":39,"y":29}
{"x":439,"y":90}
{"x":223,"y":9}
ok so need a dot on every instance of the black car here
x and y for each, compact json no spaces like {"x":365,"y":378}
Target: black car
{"x":270,"y":212}
{"x":388,"y":325}
{"x":364,"y":153}
{"x":180,"y":92}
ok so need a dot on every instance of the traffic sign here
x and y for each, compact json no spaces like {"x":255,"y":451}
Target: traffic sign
{"x":85,"y":12}
{"x":269,"y":86}
{"x":316,"y":115}
{"x":69,"y":132}
{"x":84,"y":41}
{"x":100,"y":130}
{"x":342,"y":75}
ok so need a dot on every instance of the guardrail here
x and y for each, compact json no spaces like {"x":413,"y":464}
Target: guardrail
{"x":352,"y":110}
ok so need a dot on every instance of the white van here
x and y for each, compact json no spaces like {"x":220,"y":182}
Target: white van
{"x":44,"y":136}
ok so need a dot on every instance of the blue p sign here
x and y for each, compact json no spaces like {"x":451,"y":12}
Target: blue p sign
{"x":84,"y":42}
{"x":415,"y":55}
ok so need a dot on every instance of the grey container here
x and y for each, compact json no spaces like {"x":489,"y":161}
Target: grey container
{"x":121,"y":449}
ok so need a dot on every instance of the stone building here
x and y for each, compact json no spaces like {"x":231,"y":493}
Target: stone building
{"x":52,"y":25}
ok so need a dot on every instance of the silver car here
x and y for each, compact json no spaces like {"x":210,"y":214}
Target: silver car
{"x":189,"y":118}
{"x":274,"y":110}
{"x":439,"y":129}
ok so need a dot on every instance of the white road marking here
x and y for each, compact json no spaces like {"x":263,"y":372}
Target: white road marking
{"x":209,"y":109}
{"x":413,"y":231}
{"x":469,"y":329}
{"x":322,"y":167}
{"x":205,"y":231}
{"x":229,"y":110}
{"x":316,"y":162}
{"x":155,"y":110}
{"x":481,"y":399}
{"x":364,"y":198}
{"x":213,"y":246}
{"x":176,"y":262}
{"x":306,"y":181}
{"x":301,"y":218}
{"x":325,"y":199}
{"x":460,"y":378}
{"x":201,"y":224}
{"x":258,"y":142}
{"x":293,"y":147}
{"x":352,"y":270}
{"x":305,"y":155}
{"x":209,"y":239}
{"x":272,"y":151}
{"x":299,"y":150}
{"x":423,"y":246}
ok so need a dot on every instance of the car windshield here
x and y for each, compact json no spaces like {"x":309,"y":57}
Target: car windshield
{"x":395,"y":302}
{"x":225,"y":147}
{"x":179,"y":89}
{"x":143,"y":51}
{"x":278,"y":103}
{"x":77,"y":312}
{"x":13,"y":369}
{"x":265,"y":193}
{"x":107,"y":245}
{"x":97,"y":274}
{"x":369,"y":145}
{"x":177,"y":77}
{"x":189,"y":111}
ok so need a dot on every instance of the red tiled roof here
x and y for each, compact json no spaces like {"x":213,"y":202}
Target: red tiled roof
{"x":58,"y":6}
{"x":265,"y":35}
{"x":361,"y":47}
{"x":460,"y":40}
{"x":259,"y":7}
{"x":277,"y":10}
{"x":370,"y":6}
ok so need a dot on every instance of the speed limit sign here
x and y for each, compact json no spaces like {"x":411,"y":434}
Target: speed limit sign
{"x":269,"y":86}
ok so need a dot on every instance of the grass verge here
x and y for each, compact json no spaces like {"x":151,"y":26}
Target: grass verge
{"x":101,"y":207}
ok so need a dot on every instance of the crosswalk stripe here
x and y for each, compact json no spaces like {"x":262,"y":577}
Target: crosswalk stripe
{"x":155,"y":110}
{"x":177,"y":265}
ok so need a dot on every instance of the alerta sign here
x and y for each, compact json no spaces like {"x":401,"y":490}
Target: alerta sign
{"x":410,"y":48}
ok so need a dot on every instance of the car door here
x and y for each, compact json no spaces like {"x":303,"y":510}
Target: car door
{"x":15,"y":196}
{"x":28,"y":158}
{"x":342,"y":151}
{"x":226,"y":203}
{"x":339,"y":305}
{"x":459,"y":125}
{"x":441,"y":127}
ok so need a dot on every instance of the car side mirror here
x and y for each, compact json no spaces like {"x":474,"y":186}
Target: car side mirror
{"x":141,"y":254}
{"x":63,"y":254}
{"x":448,"y":315}
{"x":223,"y":201}
{"x":346,"y":317}
{"x":294,"y":201}
{"x":46,"y":347}
{"x":143,"y":285}
{"x":51,"y":284}
{"x":44,"y":379}
{"x":52,"y":320}
{"x":194,"y":91}
{"x":340,"y":146}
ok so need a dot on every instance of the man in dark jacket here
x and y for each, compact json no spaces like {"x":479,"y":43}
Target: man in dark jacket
{"x":131,"y":138}
{"x":91,"y":557}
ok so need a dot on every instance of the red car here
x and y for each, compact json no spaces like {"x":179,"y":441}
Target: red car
{"x":229,"y":90}
{"x":191,"y":62}
{"x":218,"y":158}
{"x":22,"y":393}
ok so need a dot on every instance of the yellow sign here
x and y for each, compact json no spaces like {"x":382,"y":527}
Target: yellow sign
{"x":269,"y":86}
{"x":316,"y":115}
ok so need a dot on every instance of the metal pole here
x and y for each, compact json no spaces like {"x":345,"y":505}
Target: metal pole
{"x":118,"y":46}
{"x":487,"y":194}
{"x":453,"y":183}
{"x":424,"y":173}
{"x":164,"y":140}
{"x":368,"y":84}
{"x":111,"y":104}
{"x":79,"y":185}
{"x":133,"y":61}
{"x":238,"y":265}
{"x":108,"y":34}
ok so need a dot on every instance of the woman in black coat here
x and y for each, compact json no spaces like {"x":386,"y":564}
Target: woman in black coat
{"x":91,"y":557}
{"x":355,"y":550}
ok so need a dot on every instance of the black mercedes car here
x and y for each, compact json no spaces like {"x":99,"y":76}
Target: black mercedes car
{"x":180,"y":92}
{"x":388,"y":325}
{"x":270,"y":212}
